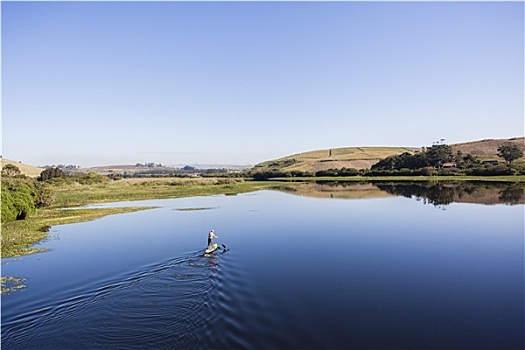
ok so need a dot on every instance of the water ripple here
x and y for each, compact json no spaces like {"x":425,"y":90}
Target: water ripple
{"x":164,"y":306}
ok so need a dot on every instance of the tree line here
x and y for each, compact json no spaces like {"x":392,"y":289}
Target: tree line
{"x":440,"y":159}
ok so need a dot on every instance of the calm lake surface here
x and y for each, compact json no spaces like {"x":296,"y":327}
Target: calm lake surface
{"x":312,"y":266}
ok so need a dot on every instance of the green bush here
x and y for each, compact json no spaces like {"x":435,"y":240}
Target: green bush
{"x":401,"y":172}
{"x":338,"y":172}
{"x":491,"y":170}
{"x":451,"y":172}
{"x":428,"y":171}
{"x":44,"y":195}
{"x":83,"y":179}
{"x":91,"y":178}
{"x":519,"y":169}
{"x":21,"y":195}
{"x":8,"y":205}
{"x":268,"y":175}
{"x":17,"y":201}
{"x":51,"y":173}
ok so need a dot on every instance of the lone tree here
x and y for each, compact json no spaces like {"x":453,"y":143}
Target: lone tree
{"x":510,"y":152}
{"x":10,"y":170}
{"x":439,"y":154}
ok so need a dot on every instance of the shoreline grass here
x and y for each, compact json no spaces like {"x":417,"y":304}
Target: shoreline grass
{"x":19,"y":237}
{"x":144,"y":189}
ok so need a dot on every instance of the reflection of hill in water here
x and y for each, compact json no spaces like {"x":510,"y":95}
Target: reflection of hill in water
{"x":435,"y":193}
{"x":339,"y":190}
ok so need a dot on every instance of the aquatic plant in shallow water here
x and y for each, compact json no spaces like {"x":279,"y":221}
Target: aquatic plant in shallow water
{"x":196,"y":209}
{"x":11,"y":284}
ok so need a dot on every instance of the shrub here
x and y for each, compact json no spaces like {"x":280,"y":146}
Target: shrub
{"x":8,"y":205}
{"x":348,"y":172}
{"x":21,"y":195}
{"x":10,"y":170}
{"x":490,"y":170}
{"x":50,"y":173}
{"x":17,"y":201}
{"x":428,"y":171}
{"x":518,"y":169}
{"x":267,"y":175}
{"x":329,"y":172}
{"x":44,"y":195}
{"x":450,"y":172}
{"x":83,"y":179}
{"x":337,"y":172}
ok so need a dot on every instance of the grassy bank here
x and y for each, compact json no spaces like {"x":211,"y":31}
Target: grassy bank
{"x":158,"y":188}
{"x":19,"y":237}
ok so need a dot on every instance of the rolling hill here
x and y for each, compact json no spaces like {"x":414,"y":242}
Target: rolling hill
{"x":334,"y":158}
{"x":364,"y":157}
{"x":26,"y":169}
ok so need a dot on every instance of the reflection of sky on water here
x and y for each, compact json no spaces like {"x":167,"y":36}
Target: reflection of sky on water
{"x":348,"y":268}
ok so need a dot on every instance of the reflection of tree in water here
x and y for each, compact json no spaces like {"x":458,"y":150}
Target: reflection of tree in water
{"x":445,"y":193}
{"x":436,"y":194}
{"x":512,"y":194}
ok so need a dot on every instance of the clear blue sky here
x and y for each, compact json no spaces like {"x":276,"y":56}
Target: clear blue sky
{"x":97,"y":83}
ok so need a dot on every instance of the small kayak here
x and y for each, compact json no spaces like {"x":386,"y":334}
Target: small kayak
{"x":211,"y":248}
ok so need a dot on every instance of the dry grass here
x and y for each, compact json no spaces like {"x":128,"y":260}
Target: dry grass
{"x":488,"y":149}
{"x":347,"y":157}
{"x":350,"y":153}
{"x":153,"y":188}
{"x":314,"y":166}
{"x":29,"y":170}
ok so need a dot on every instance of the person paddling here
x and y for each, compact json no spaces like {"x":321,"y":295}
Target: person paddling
{"x":211,"y":235}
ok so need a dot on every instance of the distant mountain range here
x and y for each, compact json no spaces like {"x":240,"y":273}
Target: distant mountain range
{"x":312,"y":161}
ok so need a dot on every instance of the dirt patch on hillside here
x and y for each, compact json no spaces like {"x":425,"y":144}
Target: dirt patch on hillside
{"x":487,"y":148}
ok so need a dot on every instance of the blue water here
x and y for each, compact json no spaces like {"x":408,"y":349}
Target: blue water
{"x":299,"y":272}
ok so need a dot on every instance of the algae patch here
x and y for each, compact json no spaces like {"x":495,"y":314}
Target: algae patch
{"x":196,"y":209}
{"x":11,"y":284}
